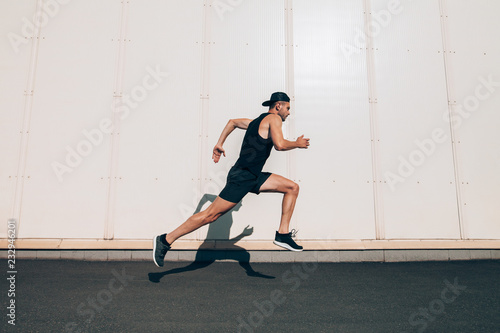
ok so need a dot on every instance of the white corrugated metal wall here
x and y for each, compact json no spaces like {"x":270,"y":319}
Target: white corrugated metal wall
{"x":110,"y":109}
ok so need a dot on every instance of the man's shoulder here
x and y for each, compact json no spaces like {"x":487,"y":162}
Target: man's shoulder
{"x":272,"y":118}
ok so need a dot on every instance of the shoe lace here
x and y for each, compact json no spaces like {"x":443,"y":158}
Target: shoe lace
{"x":293,"y":233}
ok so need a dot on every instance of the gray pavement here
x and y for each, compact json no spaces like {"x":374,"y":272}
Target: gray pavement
{"x":79,"y":296}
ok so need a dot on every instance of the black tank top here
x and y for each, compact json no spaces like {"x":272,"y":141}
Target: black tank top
{"x":255,"y":150}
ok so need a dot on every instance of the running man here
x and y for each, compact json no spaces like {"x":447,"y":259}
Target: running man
{"x":246,"y":175}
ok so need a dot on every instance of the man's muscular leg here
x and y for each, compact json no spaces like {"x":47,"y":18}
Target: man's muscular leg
{"x":218,"y":208}
{"x":290,"y":189}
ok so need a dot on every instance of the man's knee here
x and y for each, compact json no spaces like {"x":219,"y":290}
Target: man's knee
{"x":211,"y":215}
{"x":294,"y":188}
{"x":209,"y":218}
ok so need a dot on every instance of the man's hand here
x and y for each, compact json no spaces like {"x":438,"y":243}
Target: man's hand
{"x":218,"y":150}
{"x":302,"y":142}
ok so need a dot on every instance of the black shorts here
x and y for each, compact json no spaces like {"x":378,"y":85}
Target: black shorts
{"x":240,"y":182}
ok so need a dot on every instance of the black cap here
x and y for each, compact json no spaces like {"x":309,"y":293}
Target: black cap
{"x":277,"y":97}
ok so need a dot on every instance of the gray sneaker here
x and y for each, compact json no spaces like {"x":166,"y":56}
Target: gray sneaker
{"x":159,"y":251}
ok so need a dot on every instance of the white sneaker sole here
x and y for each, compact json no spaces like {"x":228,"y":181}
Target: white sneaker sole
{"x":286,"y":246}
{"x":154,"y":251}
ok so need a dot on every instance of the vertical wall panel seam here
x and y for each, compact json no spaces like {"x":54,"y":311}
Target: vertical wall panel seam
{"x":26,"y":122}
{"x":451,"y":102}
{"x":290,"y":90}
{"x":372,"y":105}
{"x":114,"y":141}
{"x":205,"y":99}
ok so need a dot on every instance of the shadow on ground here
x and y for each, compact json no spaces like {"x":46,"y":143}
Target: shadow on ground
{"x":218,"y":230}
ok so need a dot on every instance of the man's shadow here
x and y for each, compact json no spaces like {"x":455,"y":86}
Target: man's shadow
{"x":217,"y":230}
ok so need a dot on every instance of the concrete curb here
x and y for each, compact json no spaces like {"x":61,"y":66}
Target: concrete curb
{"x":262,"y":256}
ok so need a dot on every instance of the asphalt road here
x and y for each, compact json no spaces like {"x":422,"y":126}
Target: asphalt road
{"x":78,"y":296}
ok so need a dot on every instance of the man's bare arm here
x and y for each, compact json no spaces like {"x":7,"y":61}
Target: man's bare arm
{"x":241,"y":123}
{"x":280,"y":143}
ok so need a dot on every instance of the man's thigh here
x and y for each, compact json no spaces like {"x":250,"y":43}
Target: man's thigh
{"x":220,"y":206}
{"x":277,"y":183}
